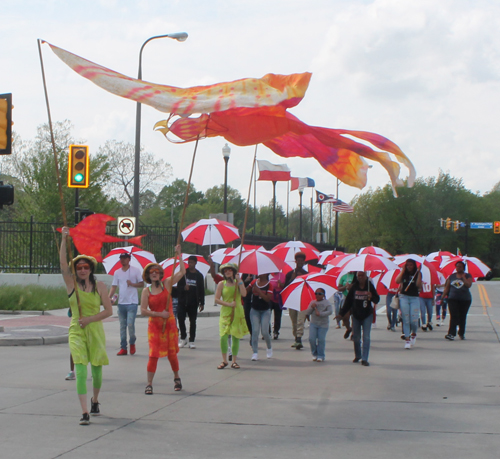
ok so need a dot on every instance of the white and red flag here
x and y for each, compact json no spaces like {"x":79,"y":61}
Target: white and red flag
{"x":273,"y":172}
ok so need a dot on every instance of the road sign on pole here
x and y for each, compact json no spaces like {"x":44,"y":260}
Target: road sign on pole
{"x":126,"y":226}
{"x":481,"y":225}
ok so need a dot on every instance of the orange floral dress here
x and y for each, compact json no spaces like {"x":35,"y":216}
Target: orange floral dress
{"x":161,"y":344}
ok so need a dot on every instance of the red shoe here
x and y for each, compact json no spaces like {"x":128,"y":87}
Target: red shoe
{"x":122,"y":352}
{"x":132,"y":349}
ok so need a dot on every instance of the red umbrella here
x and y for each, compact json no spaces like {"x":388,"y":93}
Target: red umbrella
{"x":201,"y":264}
{"x":258,"y":262}
{"x":222,"y":256}
{"x":381,"y":288}
{"x":339,"y":261}
{"x":307,"y":267}
{"x":372,"y":250}
{"x":210,"y":231}
{"x":328,"y":255}
{"x":474,"y":266}
{"x":139,"y":258}
{"x":287,"y":250}
{"x":368,"y":263}
{"x":389,"y":280}
{"x":300,"y":292}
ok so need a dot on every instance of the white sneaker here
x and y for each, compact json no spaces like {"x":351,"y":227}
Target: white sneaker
{"x":71,"y":376}
{"x":413,"y":339}
{"x":183,"y":342}
{"x":269,"y":353}
{"x":408,"y":344}
{"x":255,"y":357}
{"x":192,"y":345}
{"x":319,"y":359}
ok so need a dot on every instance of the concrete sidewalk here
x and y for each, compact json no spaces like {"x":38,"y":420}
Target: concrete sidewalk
{"x":440,"y":399}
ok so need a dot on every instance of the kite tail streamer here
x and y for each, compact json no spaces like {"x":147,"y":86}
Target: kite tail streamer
{"x":56,"y":163}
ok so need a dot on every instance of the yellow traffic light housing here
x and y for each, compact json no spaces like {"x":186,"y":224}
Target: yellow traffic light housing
{"x":78,"y":166}
{"x":456,"y":225}
{"x":496,"y":227}
{"x":448,"y":223}
{"x":5,"y":124}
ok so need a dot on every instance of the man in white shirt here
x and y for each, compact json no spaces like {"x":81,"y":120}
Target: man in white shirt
{"x":128,"y":279}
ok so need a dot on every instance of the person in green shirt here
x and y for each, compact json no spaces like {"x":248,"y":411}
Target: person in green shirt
{"x":344,"y":284}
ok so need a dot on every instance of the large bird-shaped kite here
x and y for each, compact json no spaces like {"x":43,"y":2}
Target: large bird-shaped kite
{"x":251,"y":111}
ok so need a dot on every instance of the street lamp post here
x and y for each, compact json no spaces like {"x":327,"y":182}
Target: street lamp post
{"x":226,"y":151}
{"x":180,"y":36}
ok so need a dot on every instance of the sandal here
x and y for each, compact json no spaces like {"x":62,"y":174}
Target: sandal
{"x":177,"y":384}
{"x":149,"y":390}
{"x":235,"y":366}
{"x":222,"y":365}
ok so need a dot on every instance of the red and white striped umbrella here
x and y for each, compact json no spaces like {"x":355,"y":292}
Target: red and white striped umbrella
{"x":201,"y":265}
{"x":400,"y":260}
{"x":389,"y":279}
{"x":381,"y":288}
{"x":139,"y":258}
{"x":328,"y":255}
{"x":368,"y":262}
{"x":300,"y":292}
{"x":287,"y":250}
{"x":373,"y":250}
{"x":223,"y":256}
{"x":340,"y":261}
{"x":307,"y":267}
{"x":474,"y":266}
{"x":210,"y":231}
{"x":258,"y":262}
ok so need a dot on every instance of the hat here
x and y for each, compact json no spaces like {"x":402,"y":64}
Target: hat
{"x":145,"y":273}
{"x":84,"y":257}
{"x":230,"y":266}
{"x":125,"y":255}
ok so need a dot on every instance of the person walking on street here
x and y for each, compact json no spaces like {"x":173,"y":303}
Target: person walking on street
{"x":191,"y":297}
{"x":156,"y":303}
{"x":457,"y":288}
{"x":344,"y":284}
{"x":360,"y":301}
{"x":128,"y":279}
{"x":319,"y":310}
{"x":297,"y":317}
{"x":87,"y":341}
{"x":260,"y":313}
{"x":410,"y":279}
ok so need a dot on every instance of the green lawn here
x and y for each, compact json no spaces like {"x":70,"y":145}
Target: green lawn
{"x":32,"y":298}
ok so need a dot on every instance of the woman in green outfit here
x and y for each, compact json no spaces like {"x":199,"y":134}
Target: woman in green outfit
{"x":87,"y":342}
{"x":232,"y":315}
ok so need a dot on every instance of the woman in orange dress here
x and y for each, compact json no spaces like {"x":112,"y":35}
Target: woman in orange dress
{"x":156,"y":303}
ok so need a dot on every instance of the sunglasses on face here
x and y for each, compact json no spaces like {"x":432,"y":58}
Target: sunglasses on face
{"x":319,"y":294}
{"x":154,"y":271}
{"x":82,"y":266}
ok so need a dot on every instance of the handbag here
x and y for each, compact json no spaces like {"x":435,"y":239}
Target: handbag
{"x":395,"y":301}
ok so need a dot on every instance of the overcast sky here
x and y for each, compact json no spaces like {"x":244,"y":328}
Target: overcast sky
{"x":425,"y":74}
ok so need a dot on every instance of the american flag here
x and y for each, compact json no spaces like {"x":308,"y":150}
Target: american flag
{"x":337,"y":204}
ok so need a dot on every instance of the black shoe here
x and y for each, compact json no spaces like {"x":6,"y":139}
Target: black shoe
{"x":462,"y":337}
{"x":429,"y":326}
{"x":356,"y":359}
{"x":450,"y":337}
{"x":424,"y":327}
{"x":299,"y":345}
{"x":275,"y":336}
{"x":347,"y":333}
{"x":85,"y":419}
{"x":94,"y":408}
{"x":230,"y":358}
{"x":365,"y":363}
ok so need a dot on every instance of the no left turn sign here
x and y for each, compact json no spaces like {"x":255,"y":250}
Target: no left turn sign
{"x":126,"y":226}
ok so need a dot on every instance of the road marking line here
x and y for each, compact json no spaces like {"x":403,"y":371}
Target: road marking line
{"x":481,"y":296}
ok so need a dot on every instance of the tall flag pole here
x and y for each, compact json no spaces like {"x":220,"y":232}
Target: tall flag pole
{"x":299,"y":183}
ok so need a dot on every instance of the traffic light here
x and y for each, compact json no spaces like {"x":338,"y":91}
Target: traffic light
{"x":456,"y":225}
{"x":78,"y":166}
{"x":6,"y":195}
{"x":448,"y":223}
{"x":496,"y":227}
{"x":5,"y":124}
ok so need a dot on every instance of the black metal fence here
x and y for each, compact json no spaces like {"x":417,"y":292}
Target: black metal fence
{"x":32,"y":247}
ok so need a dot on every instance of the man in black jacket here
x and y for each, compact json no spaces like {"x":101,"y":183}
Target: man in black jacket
{"x":191,"y":293}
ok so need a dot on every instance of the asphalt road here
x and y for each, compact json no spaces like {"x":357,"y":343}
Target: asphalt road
{"x":440,"y":399}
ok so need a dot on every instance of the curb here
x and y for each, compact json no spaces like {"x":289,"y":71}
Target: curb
{"x":27,"y":313}
{"x":34,"y":341}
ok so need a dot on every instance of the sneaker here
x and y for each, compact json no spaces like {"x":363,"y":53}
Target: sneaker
{"x":315,"y":358}
{"x":183,"y":342}
{"x":450,"y":337}
{"x":413,"y":339}
{"x":403,"y":337}
{"x":122,"y":352}
{"x":269,"y":353}
{"x":438,"y":318}
{"x":192,"y":345}
{"x":275,"y":336}
{"x":408,"y":344}
{"x":429,"y":326}
{"x":365,"y":363}
{"x":71,"y":376}
{"x":393,"y":329}
{"x":424,"y":327}
{"x":294,"y":344}
{"x":255,"y":357}
{"x":94,"y":408}
{"x":85,"y":419}
{"x":132,"y":349}
{"x":319,"y":359}
{"x":299,"y":346}
{"x":356,"y":359}
{"x":462,"y":337}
